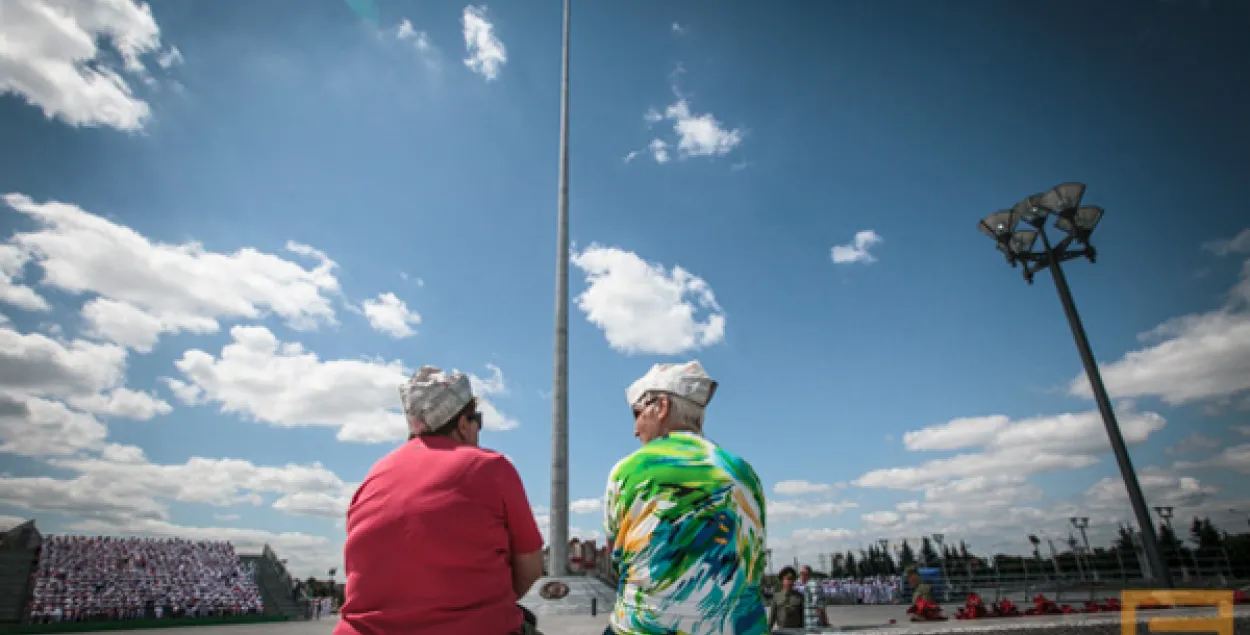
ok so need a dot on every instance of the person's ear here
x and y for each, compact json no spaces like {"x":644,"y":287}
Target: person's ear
{"x":662,"y":407}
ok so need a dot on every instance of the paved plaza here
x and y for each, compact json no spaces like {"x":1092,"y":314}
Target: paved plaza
{"x":845,"y":619}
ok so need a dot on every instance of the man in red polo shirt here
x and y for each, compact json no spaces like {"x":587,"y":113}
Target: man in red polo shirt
{"x":440,"y":536}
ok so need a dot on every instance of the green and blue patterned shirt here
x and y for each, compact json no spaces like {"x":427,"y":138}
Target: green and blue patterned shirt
{"x":686,"y":523}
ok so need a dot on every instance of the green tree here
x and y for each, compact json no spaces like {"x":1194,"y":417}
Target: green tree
{"x":1205,"y":535}
{"x":906,"y":557}
{"x":1171,"y":546}
{"x":851,"y":565}
{"x":1124,"y":540}
{"x":927,"y":555}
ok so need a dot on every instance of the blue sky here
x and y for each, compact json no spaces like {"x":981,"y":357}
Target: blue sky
{"x":231,"y":228}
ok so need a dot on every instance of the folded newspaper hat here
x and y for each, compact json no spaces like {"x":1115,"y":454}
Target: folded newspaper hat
{"x":432,"y":397}
{"x":686,"y":380}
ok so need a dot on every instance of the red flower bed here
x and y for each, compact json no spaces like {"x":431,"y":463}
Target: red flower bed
{"x":926,"y":611}
{"x":975,"y":608}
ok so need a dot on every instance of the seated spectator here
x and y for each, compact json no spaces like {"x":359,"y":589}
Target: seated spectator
{"x":82,"y":578}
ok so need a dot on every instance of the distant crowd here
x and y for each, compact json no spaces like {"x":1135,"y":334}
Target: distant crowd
{"x":875,"y":590}
{"x":81,"y":578}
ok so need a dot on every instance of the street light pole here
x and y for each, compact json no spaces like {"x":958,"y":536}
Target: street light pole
{"x":1136,"y":499}
{"x":558,"y":563}
{"x":1063,"y":202}
{"x":1082,"y":523}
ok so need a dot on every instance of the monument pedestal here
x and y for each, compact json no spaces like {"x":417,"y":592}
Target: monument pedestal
{"x":585,"y":593}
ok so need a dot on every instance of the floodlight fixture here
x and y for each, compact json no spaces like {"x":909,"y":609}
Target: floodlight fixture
{"x":999,"y":224}
{"x":1000,"y":227}
{"x":1019,"y":245}
{"x":1061,"y":198}
{"x":1031,"y":246}
{"x":1079,"y":222}
{"x":1030,"y":210}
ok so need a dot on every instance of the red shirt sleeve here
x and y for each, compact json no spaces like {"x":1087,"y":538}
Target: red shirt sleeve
{"x":523,"y":534}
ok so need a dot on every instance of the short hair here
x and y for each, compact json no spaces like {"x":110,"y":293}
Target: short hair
{"x":683,"y":414}
{"x":787,"y":571}
{"x":446,"y":428}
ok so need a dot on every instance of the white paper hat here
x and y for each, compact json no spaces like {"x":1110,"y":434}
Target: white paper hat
{"x":687,"y":380}
{"x":431,"y":398}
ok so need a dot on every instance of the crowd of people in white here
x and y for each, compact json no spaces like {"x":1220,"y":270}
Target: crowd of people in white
{"x":92,"y":578}
{"x":876,"y":590}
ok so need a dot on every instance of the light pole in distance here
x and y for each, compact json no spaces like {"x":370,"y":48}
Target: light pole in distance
{"x":1082,"y":523}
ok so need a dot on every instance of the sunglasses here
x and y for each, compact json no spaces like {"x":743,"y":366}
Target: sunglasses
{"x":646,"y":404}
{"x":475,"y":417}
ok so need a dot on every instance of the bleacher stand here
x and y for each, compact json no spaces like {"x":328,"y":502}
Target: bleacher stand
{"x":82,"y":578}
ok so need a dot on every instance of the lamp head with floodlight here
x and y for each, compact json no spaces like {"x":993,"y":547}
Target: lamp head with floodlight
{"x":1001,"y":226}
{"x":1079,"y":222}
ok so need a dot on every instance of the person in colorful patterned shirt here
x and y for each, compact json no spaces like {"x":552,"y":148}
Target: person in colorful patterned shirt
{"x":684,"y":519}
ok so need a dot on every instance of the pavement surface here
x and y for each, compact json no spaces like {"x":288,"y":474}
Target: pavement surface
{"x":844,"y":619}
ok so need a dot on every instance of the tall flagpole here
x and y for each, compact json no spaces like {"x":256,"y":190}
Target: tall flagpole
{"x":559,"y":528}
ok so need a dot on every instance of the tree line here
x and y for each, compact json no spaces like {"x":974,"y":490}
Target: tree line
{"x":1206,"y":548}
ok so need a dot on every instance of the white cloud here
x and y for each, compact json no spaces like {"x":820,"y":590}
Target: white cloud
{"x":487,"y":54}
{"x":857,"y":250}
{"x":1239,"y":244}
{"x":493,"y":386}
{"x":1194,"y":442}
{"x":801,"y":488}
{"x":420,"y":41}
{"x":8,"y":522}
{"x":956,"y":434}
{"x":881,"y":518}
{"x":390,"y":315}
{"x":144,"y":288}
{"x":783,"y":510}
{"x":36,"y":364}
{"x":1201,"y":357}
{"x":586,"y":506}
{"x":1158,"y":487}
{"x":659,"y":151}
{"x":12,"y":263}
{"x":170,"y":58}
{"x":37,"y":372}
{"x":52,"y":58}
{"x":282,"y":384}
{"x":644,"y":308}
{"x":1235,"y":458}
{"x":809,"y":541}
{"x":115,"y":490}
{"x":30,"y":426}
{"x":697,"y":134}
{"x":543,"y":519}
{"x":122,"y":402}
{"x":1019,"y":448}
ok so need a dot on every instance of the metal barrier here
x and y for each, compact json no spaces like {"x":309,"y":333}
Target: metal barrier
{"x":1081,"y":576}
